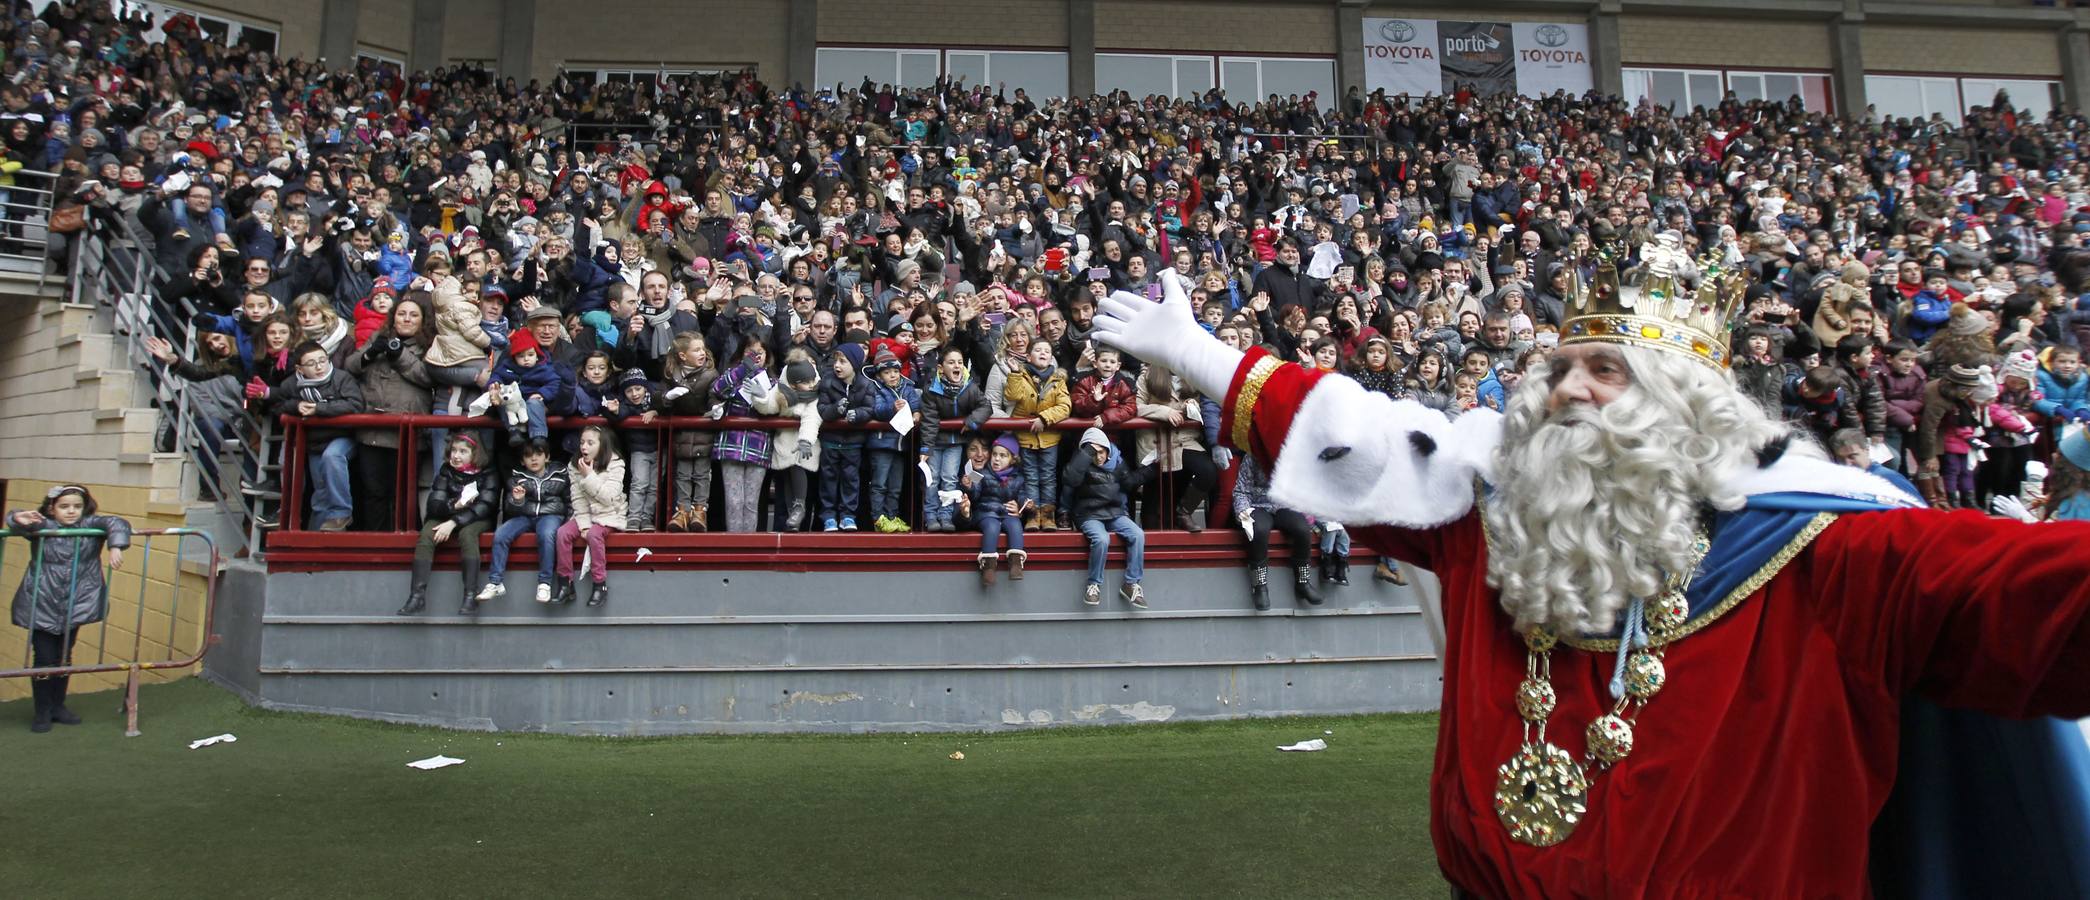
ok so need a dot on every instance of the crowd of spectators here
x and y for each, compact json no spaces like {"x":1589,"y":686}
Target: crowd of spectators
{"x":849,"y":257}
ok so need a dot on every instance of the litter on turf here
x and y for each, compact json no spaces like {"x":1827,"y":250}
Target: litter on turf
{"x":435,"y":762}
{"x":1307,"y":746}
{"x":205,"y":742}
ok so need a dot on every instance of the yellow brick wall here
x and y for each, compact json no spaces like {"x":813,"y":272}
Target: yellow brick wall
{"x":158,"y":619}
{"x":938,"y":23}
{"x":1187,"y":25}
{"x":644,"y":33}
{"x":1926,"y":48}
{"x":472,"y":30}
{"x":1727,"y":43}
{"x":1469,"y":14}
{"x":385,"y":26}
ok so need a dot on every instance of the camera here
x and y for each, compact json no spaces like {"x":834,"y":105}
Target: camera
{"x":393,"y":345}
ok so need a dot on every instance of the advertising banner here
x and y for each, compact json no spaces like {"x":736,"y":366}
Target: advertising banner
{"x":1428,"y":56}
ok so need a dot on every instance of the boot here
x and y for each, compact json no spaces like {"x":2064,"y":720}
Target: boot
{"x":1303,"y":588}
{"x":1932,"y":489}
{"x":1388,"y":573}
{"x":680,"y":521}
{"x":59,"y":713}
{"x":40,"y":689}
{"x":567,"y":588}
{"x":1186,"y":521}
{"x":987,"y":561}
{"x":1048,"y":518}
{"x":600,"y":593}
{"x":1339,"y":570}
{"x":585,"y":589}
{"x":416,"y":599}
{"x":1016,"y":561}
{"x":696,"y":518}
{"x":796,"y":516}
{"x":1259,"y":586}
{"x":1030,"y":519}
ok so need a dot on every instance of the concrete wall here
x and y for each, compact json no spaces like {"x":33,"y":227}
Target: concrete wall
{"x":645,"y":33}
{"x":1927,"y":48}
{"x":471,"y":30}
{"x":938,"y":23}
{"x":1724,"y":43}
{"x":756,"y":651}
{"x":385,"y":26}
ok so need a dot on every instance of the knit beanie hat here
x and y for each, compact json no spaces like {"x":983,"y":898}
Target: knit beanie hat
{"x":2021,"y":364}
{"x":1008,"y":442}
{"x":523,"y":341}
{"x":854,"y":353}
{"x":800,"y":372}
{"x":1965,"y":320}
{"x":630,"y":377}
{"x":886,"y":358}
{"x":1964,"y":376}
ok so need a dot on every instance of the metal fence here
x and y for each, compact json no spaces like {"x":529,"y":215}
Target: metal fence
{"x":408,"y":475}
{"x":109,"y":653}
{"x":25,"y":223}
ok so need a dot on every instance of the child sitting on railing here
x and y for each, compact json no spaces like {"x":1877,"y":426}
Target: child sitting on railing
{"x":535,"y":502}
{"x":461,"y":504}
{"x":522,"y":387}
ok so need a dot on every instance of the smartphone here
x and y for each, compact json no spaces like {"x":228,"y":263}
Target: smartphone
{"x":995,"y":318}
{"x":1099,"y":273}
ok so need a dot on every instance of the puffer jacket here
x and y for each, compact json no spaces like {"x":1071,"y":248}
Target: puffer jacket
{"x":783,"y":448}
{"x":1027,"y":399}
{"x":66,"y":591}
{"x":1904,"y":396}
{"x":2058,"y":398}
{"x":543,"y":494}
{"x":458,"y":338}
{"x":598,"y":499}
{"x":1118,"y":406}
{"x":397,"y":386}
{"x":1089,"y":491}
{"x":691,"y":443}
{"x":848,"y":403}
{"x":942,"y":401}
{"x":885,"y":404}
{"x":1866,"y":392}
{"x":449,"y":485}
{"x":992,"y":489}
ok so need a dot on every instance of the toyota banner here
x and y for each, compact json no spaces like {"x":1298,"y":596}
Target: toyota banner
{"x":1430,"y":56}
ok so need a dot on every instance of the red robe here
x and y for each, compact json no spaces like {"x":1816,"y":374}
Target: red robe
{"x":1758,"y":770}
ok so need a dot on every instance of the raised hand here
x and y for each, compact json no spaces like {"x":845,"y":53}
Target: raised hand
{"x":1167,"y":333}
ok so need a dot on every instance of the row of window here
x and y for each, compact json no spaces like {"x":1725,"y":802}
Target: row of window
{"x":1043,"y":73}
{"x":224,"y":31}
{"x":1911,"y":96}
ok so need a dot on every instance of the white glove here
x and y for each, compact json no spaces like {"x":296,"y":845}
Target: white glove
{"x":675,"y":393}
{"x":1167,"y":333}
{"x":2011,"y":507}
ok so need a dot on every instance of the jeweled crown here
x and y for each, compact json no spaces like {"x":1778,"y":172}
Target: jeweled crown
{"x":1669,"y":302}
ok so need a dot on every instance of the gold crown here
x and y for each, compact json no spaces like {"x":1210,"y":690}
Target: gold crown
{"x":1665,"y":310}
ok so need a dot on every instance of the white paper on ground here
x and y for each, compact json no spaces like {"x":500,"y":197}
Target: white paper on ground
{"x":205,"y":742}
{"x":435,"y":762}
{"x":1307,"y":746}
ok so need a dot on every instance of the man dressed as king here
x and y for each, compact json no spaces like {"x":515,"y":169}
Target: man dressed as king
{"x":1685,"y":655}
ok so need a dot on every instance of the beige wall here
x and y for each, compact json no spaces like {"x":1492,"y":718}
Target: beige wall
{"x":295,"y":21}
{"x":939,"y":23}
{"x":472,"y":30}
{"x":1187,"y":25}
{"x":1926,"y":48}
{"x":650,"y":32}
{"x":1468,"y":14}
{"x":1725,"y":43}
{"x":385,"y":26}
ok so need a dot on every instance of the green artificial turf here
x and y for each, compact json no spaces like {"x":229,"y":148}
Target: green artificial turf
{"x":315,"y":806}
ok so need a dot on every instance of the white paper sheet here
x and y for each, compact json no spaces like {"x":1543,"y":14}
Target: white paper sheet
{"x":435,"y":762}
{"x":219,"y":739}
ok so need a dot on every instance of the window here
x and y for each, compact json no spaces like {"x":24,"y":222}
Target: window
{"x":1914,"y":96}
{"x":215,"y":27}
{"x":383,"y":59}
{"x":1251,"y":80}
{"x":2033,"y":98}
{"x":1688,"y":89}
{"x":850,"y":66}
{"x":1181,"y":77}
{"x":1040,"y":73}
{"x":1778,"y":87}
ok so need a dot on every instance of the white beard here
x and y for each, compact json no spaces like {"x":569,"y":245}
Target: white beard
{"x":1594,"y":507}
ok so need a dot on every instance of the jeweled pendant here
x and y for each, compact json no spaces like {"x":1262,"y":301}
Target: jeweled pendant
{"x":1540,"y":639}
{"x":1610,"y":739}
{"x":1668,"y":613}
{"x":1541,"y":794}
{"x":1645,"y":675}
{"x":1535,"y":700}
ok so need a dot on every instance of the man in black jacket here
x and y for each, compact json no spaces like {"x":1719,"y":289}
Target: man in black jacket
{"x":1287,"y":283}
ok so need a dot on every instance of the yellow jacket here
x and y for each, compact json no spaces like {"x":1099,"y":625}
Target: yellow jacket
{"x":1026,"y":401}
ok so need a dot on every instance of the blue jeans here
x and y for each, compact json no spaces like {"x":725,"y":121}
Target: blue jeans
{"x":1461,"y":213}
{"x":547,"y":529}
{"x":1041,"y":478}
{"x":330,"y":481}
{"x":1098,"y":531}
{"x":888,"y":479}
{"x":946,"y":463}
{"x":1333,"y":543}
{"x":998,"y":523}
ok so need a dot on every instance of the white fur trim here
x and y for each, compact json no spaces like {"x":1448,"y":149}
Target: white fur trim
{"x":1809,"y":475}
{"x":1382,"y":479}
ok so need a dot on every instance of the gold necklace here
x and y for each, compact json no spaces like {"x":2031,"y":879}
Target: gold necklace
{"x":1542,"y":792}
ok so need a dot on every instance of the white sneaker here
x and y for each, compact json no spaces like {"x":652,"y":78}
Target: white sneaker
{"x":544,"y":593}
{"x":1092,"y":595}
{"x":492,"y":590}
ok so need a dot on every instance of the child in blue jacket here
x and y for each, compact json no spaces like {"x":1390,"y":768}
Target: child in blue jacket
{"x":891,"y":395}
{"x":845,"y":396}
{"x":998,"y":506}
{"x":527,"y":384}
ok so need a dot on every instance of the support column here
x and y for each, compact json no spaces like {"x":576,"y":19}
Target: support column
{"x":518,"y":39}
{"x":337,"y":31}
{"x":1847,"y":55}
{"x":425,"y":49}
{"x":2075,"y":66}
{"x":1606,"y":50}
{"x":1349,"y":48}
{"x":1081,"y":47}
{"x":802,"y":44}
